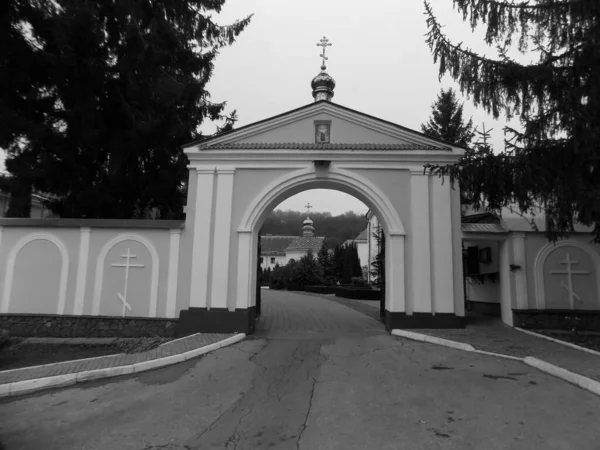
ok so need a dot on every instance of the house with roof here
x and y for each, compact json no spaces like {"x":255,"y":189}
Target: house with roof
{"x":279,"y":250}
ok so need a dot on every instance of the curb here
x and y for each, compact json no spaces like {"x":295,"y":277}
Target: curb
{"x":580,"y":381}
{"x":558,"y":341}
{"x":433,"y":340}
{"x":586,"y":383}
{"x":39,"y":384}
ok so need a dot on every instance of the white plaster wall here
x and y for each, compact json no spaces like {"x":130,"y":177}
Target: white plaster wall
{"x":31,"y":275}
{"x":534,"y":242}
{"x":362,"y":249}
{"x":342,"y":132}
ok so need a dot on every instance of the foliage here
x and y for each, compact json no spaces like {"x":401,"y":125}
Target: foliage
{"x":99,"y":96}
{"x":351,"y":267}
{"x":553,"y":164}
{"x":378,"y":264}
{"x":306,"y":271}
{"x":325,"y":261}
{"x":338,"y":229}
{"x":446,"y":121}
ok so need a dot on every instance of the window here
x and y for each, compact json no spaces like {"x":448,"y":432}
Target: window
{"x":272,"y":260}
{"x":262,"y":259}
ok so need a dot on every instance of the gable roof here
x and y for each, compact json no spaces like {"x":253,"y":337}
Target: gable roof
{"x":427,"y":142}
{"x":274,"y":245}
{"x":306,"y":242}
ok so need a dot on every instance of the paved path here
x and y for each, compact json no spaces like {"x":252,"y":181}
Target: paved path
{"x":335,"y":381}
{"x":174,"y":347}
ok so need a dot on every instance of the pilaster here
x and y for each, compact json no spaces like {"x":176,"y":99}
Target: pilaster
{"x":174,"y":240}
{"x":82,"y":266}
{"x":520,"y":274}
{"x":419,"y":268}
{"x":202,"y":238}
{"x":222,"y":238}
{"x":394,"y":276}
{"x":440,"y":213}
{"x":505,"y":297}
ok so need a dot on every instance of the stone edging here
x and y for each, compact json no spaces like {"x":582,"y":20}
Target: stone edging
{"x":558,"y":341}
{"x":38,"y":384}
{"x":580,"y":381}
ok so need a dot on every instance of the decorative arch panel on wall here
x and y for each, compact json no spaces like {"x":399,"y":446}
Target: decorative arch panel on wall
{"x":567,"y":276}
{"x":36,"y":275}
{"x":126,"y":282}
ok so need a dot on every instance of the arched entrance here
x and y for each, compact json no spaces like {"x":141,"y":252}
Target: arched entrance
{"x":237,"y":178}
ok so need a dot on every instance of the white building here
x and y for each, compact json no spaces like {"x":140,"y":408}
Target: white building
{"x":279,"y":250}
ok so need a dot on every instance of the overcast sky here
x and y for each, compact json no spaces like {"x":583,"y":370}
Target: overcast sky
{"x":378,"y":58}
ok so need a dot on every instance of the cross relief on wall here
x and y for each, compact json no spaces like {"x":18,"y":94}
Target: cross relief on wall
{"x":569,"y":272}
{"x":127,"y":265}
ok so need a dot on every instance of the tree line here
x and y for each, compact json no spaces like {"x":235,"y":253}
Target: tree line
{"x":337,"y":229}
{"x":107,"y":92}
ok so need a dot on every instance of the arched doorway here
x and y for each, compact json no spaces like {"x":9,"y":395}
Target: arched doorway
{"x":236,"y":179}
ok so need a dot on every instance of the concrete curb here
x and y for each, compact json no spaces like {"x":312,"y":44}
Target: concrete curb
{"x":558,"y":341}
{"x":38,"y":384}
{"x":433,"y":340}
{"x":586,"y":383}
{"x":581,"y":381}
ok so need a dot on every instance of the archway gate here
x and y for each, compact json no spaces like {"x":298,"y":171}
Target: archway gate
{"x":237,"y":178}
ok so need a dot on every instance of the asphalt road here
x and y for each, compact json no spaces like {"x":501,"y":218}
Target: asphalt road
{"x":316,"y":375}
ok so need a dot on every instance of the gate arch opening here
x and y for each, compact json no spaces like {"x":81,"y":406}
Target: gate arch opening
{"x":306,"y":179}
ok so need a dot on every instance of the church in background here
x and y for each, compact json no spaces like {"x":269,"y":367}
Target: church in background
{"x":279,"y":250}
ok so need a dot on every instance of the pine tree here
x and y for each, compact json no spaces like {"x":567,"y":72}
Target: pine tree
{"x":99,"y":96}
{"x":446,"y":121}
{"x":553,"y":164}
{"x":305,"y":271}
{"x":325,"y":262}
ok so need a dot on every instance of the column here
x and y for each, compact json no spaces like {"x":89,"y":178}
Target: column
{"x":505,"y":297}
{"x":395,"y":300}
{"x":222,"y":238}
{"x":440,"y":213}
{"x":174,"y":240}
{"x":82,"y":265}
{"x":419,"y":268}
{"x":202,"y":238}
{"x":520,"y":275}
{"x":244,"y":270}
{"x":457,"y":259}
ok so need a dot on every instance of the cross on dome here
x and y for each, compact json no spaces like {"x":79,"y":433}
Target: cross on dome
{"x":323,"y":43}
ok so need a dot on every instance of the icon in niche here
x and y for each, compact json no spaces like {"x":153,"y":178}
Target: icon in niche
{"x":323,"y":131}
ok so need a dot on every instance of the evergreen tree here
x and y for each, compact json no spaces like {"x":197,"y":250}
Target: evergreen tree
{"x":446,"y":121}
{"x":338,"y":262}
{"x":306,"y":271}
{"x":325,"y":262}
{"x":99,"y":96}
{"x":553,"y":164}
{"x":351,"y":265}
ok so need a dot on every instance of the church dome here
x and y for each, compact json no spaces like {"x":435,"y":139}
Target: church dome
{"x":322,"y":85}
{"x":308,"y":221}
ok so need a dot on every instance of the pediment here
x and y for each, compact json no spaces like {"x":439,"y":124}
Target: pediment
{"x":344,"y":128}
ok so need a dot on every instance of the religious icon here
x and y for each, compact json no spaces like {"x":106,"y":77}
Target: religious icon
{"x":322,"y":133}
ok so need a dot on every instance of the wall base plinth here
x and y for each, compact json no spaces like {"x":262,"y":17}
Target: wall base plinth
{"x":216,"y":320}
{"x":422,"y":320}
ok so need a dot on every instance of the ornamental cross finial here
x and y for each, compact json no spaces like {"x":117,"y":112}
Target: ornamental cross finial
{"x":308,"y":208}
{"x":324,"y":43}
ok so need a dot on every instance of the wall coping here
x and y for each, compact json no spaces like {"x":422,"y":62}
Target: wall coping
{"x":73,"y":317}
{"x":92,"y":223}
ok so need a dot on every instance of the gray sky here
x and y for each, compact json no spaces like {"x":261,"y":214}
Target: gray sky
{"x":379,"y":59}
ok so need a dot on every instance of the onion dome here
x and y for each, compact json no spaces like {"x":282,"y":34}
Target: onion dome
{"x":322,"y":86}
{"x":308,"y":229}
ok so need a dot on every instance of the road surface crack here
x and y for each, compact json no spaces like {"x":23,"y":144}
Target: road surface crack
{"x":304,"y":425}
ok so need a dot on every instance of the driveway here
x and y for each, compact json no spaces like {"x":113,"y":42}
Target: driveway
{"x":316,"y":375}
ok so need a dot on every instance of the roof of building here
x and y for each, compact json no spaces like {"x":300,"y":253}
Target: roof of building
{"x":306,"y":242}
{"x":275,"y":245}
{"x":363,"y":235}
{"x":444,"y":145}
{"x":312,"y":146}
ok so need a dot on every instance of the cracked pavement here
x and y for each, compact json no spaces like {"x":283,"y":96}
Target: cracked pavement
{"x":316,"y":375}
